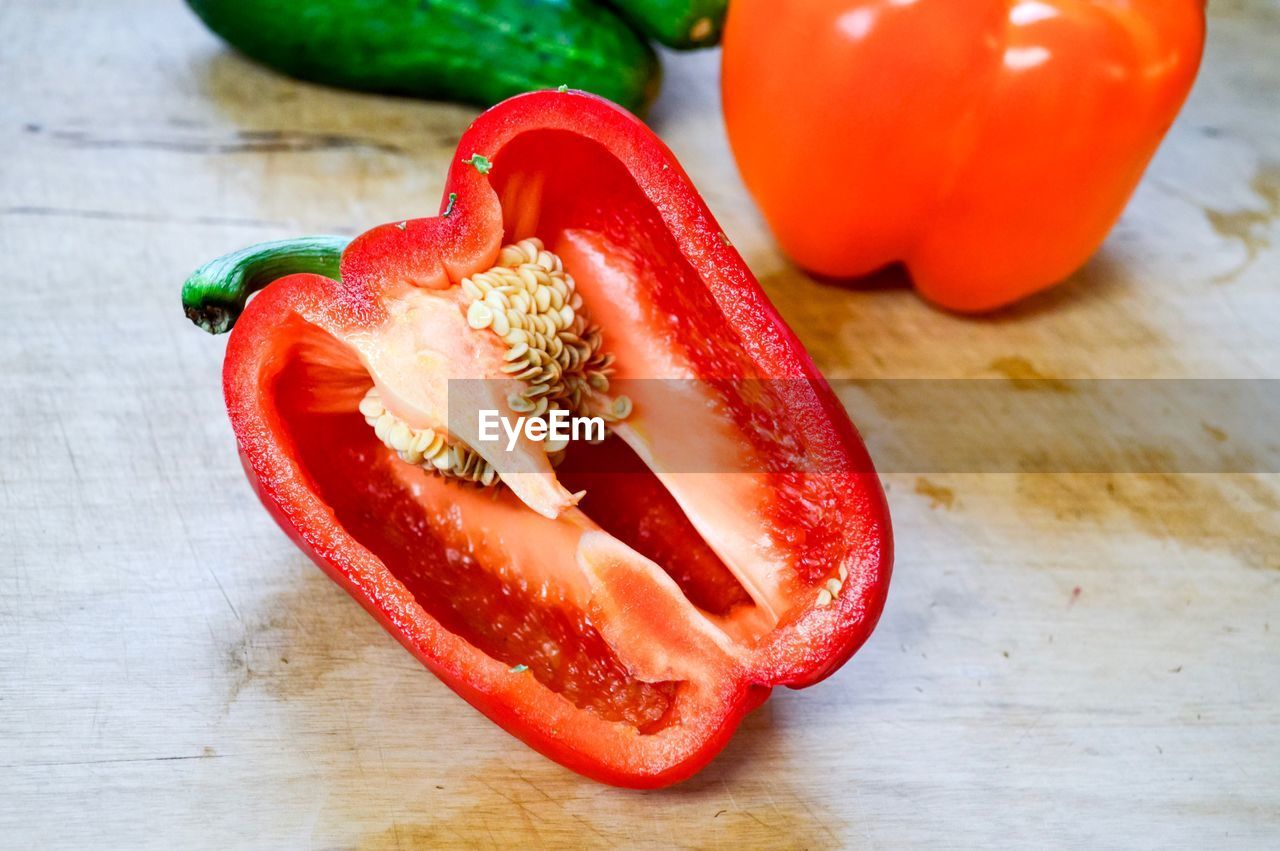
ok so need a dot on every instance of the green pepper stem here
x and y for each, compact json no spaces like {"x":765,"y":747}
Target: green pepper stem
{"x":215,"y":293}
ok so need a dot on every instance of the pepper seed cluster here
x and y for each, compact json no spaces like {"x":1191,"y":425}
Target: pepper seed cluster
{"x":529,"y":301}
{"x":426,"y":448}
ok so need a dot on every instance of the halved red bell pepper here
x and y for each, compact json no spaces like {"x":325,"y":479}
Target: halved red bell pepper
{"x":625,"y":635}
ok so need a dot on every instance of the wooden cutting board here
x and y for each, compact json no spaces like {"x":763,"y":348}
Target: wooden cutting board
{"x":1080,"y":659}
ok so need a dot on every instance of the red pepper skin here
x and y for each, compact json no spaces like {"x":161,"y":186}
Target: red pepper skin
{"x":432,"y":252}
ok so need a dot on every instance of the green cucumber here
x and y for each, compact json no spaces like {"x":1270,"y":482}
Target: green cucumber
{"x":682,"y":24}
{"x":473,"y":51}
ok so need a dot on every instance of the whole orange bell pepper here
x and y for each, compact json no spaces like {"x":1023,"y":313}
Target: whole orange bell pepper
{"x":988,"y":145}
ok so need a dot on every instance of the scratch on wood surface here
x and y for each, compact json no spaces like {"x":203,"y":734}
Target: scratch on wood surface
{"x":182,"y":521}
{"x":196,"y":555}
{"x":70,"y":453}
{"x":1027,"y":728}
{"x":145,"y":218}
{"x":206,"y":754}
{"x":293,"y":639}
{"x":242,"y":142}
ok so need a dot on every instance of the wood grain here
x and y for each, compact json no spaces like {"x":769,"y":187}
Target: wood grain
{"x":1079,"y":660}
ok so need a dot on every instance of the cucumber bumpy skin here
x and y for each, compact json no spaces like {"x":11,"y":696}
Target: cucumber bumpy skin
{"x":682,"y":24}
{"x":472,"y":51}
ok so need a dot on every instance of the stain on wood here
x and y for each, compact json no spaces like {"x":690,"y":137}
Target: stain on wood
{"x":1233,"y":514}
{"x":1024,"y":375}
{"x":1250,"y":227}
{"x":939,"y":496}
